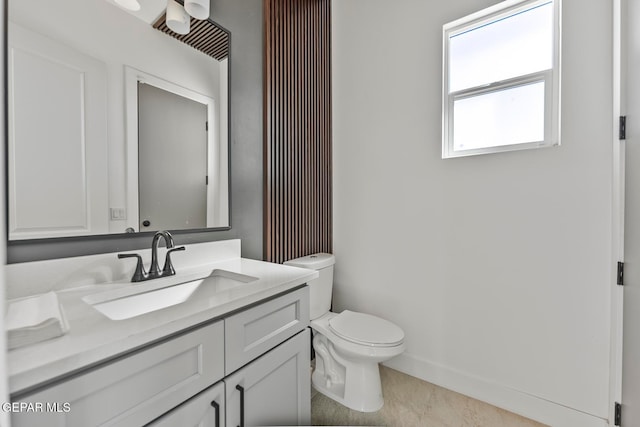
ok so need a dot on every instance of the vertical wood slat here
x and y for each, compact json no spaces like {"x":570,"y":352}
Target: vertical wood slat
{"x":297,"y":129}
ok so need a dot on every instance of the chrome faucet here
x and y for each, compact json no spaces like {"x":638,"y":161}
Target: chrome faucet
{"x":140,"y":275}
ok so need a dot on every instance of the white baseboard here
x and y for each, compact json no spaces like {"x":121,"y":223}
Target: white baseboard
{"x":535,"y":408}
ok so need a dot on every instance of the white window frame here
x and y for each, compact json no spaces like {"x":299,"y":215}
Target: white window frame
{"x":550,"y":77}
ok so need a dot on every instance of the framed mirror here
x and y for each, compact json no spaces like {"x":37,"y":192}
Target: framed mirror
{"x":114,"y":126}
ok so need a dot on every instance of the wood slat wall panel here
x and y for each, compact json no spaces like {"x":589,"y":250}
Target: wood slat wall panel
{"x":297,"y":129}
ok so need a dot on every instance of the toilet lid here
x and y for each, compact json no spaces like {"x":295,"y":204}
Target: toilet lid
{"x":366,"y":329}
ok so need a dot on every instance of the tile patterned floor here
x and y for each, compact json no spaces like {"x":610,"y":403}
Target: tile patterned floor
{"x":410,"y":402}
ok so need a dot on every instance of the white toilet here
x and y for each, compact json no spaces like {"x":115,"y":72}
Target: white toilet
{"x":348,"y":345}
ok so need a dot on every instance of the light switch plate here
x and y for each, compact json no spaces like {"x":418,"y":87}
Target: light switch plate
{"x":117,"y":213}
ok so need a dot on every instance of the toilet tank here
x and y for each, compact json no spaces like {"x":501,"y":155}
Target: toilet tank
{"x":320,"y":289}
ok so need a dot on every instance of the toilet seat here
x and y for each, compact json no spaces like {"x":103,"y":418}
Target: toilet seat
{"x":361,"y":328}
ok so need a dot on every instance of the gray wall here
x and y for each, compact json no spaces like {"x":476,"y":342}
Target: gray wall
{"x":244,"y":20}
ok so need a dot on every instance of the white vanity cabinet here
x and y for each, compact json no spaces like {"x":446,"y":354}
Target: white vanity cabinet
{"x":196,"y":378}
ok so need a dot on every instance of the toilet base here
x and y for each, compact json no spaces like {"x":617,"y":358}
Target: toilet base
{"x":354,"y":384}
{"x":364,"y":399}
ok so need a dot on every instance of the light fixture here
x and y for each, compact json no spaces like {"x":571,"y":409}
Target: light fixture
{"x":177,"y":18}
{"x":199,"y":9}
{"x":132,"y":5}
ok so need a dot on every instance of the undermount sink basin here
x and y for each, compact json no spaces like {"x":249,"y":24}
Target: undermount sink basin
{"x":157,"y":294}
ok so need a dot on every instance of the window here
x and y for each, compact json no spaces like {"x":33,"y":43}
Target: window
{"x":501,"y":79}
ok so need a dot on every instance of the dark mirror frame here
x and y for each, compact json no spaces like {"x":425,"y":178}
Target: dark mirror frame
{"x":146,"y":235}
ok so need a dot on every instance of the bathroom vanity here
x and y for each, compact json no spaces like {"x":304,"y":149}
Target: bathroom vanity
{"x":233,"y":355}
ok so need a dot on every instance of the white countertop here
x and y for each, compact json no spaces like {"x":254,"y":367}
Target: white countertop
{"x":93,"y":338}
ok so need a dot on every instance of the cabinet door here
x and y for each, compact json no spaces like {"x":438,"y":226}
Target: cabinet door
{"x":204,"y":410}
{"x":274,"y":389}
{"x":57,"y":140}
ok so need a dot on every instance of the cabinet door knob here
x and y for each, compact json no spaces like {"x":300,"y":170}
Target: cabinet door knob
{"x":217,"y":408}
{"x":241,"y":390}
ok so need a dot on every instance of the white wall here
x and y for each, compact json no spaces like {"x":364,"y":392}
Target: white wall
{"x":497,"y":267}
{"x":109,"y":34}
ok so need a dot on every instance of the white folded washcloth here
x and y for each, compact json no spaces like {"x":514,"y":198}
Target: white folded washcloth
{"x":34,"y":319}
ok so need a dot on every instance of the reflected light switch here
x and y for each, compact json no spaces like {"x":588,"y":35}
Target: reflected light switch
{"x":117,"y":213}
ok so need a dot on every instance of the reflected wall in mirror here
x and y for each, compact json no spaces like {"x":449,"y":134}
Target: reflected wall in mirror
{"x":75,"y":164}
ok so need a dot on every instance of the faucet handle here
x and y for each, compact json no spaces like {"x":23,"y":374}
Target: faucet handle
{"x":168,"y":269}
{"x":139,"y":274}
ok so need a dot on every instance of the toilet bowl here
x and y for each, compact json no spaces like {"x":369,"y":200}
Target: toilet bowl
{"x":347,"y":359}
{"x":348,"y":345}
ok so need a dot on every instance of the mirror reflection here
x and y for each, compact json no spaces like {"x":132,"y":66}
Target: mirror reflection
{"x":114,"y":126}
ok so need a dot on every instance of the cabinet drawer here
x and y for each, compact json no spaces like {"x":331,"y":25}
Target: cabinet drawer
{"x":136,"y":389}
{"x":204,"y":410}
{"x":252,"y":332}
